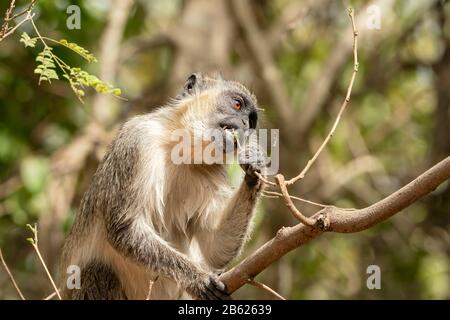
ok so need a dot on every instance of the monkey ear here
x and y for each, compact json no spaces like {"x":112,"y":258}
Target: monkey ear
{"x":191,"y":82}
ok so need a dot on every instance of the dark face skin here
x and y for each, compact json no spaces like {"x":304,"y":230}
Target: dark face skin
{"x":236,"y":106}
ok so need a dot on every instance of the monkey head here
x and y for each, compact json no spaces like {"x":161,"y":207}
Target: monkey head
{"x":218,"y":112}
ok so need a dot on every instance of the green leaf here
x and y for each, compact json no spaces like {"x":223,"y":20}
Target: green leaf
{"x":27,"y":41}
{"x":80,"y":79}
{"x":46,"y":68}
{"x":79,"y":50}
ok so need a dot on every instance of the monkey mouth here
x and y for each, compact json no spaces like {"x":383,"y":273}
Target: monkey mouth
{"x":231,"y":134}
{"x":228,"y":126}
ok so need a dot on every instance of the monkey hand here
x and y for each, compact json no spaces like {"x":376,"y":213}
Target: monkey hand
{"x":208,"y":287}
{"x":252,"y":160}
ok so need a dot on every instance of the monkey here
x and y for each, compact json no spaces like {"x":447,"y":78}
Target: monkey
{"x":145,"y":220}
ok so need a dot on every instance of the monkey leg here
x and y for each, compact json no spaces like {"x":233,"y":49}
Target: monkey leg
{"x":98,"y":282}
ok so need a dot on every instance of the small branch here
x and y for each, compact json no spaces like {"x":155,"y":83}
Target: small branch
{"x":288,"y":201}
{"x":28,"y":9}
{"x":11,"y":276}
{"x":273,"y":194}
{"x":264,"y":179}
{"x":50,"y":296}
{"x":34,"y":243}
{"x":302,"y":174}
{"x":265,"y":287}
{"x":12,"y":30}
{"x":5,"y":26}
{"x":336,"y":220}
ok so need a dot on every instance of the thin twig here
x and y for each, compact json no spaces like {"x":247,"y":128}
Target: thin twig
{"x":274,"y":194}
{"x":50,"y":296}
{"x":268,"y":196}
{"x":5,"y":26}
{"x":12,"y":30}
{"x":34,"y":243}
{"x":263,"y":179}
{"x":265,"y":287}
{"x":150,"y":286}
{"x":288,"y":201}
{"x":302,"y":174}
{"x":11,"y":276}
{"x":28,"y":9}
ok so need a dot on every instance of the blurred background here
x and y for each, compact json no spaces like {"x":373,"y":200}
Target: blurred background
{"x":297,"y":58}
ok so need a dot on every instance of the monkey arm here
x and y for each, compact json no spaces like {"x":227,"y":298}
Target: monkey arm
{"x":222,"y":244}
{"x":137,"y":241}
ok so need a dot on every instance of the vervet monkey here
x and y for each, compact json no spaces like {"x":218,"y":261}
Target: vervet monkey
{"x":145,"y":218}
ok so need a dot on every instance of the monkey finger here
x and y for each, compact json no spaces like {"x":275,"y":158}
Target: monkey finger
{"x":219,"y":290}
{"x":219,"y":284}
{"x":218,"y":294}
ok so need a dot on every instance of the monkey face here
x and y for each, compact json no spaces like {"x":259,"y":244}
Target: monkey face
{"x":226,"y":110}
{"x":218,"y":116}
{"x":235,"y":117}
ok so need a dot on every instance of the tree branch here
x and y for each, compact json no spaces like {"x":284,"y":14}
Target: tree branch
{"x":316,"y":95}
{"x":336,"y":220}
{"x":302,"y":174}
{"x":7,"y":31}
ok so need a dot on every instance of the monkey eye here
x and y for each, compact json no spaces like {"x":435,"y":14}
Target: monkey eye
{"x":237,"y":103}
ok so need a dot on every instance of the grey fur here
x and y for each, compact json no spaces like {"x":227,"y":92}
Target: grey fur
{"x":144,"y":218}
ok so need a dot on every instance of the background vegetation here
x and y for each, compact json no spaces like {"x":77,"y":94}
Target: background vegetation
{"x":397,"y":125}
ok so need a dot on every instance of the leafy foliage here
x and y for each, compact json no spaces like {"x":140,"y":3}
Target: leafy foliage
{"x":46,"y":68}
{"x":78,"y":49}
{"x":79,"y":79}
{"x":27,"y":41}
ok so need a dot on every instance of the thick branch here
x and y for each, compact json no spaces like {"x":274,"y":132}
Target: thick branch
{"x":337,"y":220}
